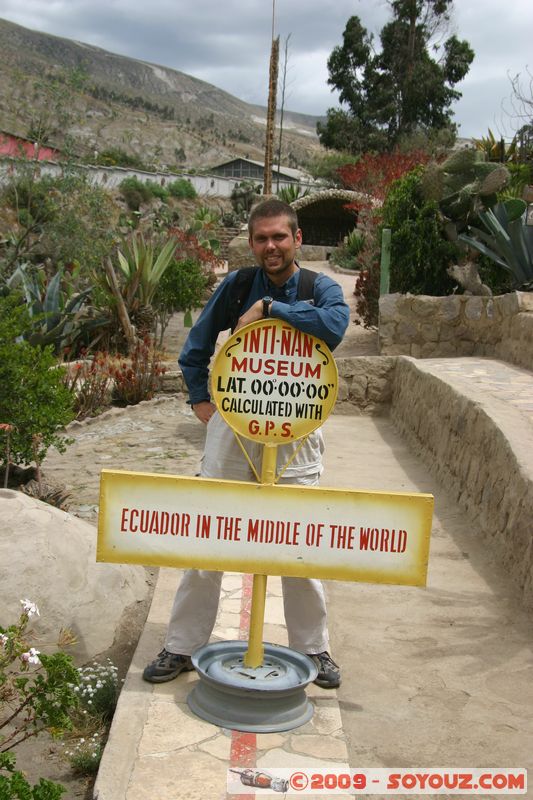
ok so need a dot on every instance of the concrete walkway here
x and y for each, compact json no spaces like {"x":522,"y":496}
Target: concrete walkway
{"x":441,"y":676}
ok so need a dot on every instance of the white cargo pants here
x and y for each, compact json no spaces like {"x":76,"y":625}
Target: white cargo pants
{"x":196,"y":603}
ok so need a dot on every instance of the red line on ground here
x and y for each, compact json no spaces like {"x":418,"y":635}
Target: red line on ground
{"x":243,"y":745}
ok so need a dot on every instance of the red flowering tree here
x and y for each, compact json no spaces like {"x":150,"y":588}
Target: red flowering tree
{"x":373,"y":176}
{"x":374,"y":172}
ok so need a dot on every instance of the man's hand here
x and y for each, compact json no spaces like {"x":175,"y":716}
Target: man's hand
{"x":254,"y":313}
{"x":204,"y":410}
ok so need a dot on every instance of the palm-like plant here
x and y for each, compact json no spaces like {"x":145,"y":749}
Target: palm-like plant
{"x":496,"y":149}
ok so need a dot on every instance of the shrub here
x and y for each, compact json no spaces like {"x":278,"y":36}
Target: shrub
{"x":86,"y":755}
{"x":419,"y":252}
{"x":182,"y":288}
{"x":115,"y":156}
{"x":158,"y":191}
{"x":367,"y":293}
{"x":135,"y":192}
{"x":65,"y":219}
{"x":182,"y":189}
{"x":14,"y":786}
{"x":33,"y":397}
{"x":98,"y":689}
{"x":32,"y":199}
{"x":82,"y":230}
{"x":38,"y":693}
{"x":373,"y":173}
{"x":326,"y":165}
{"x":346,"y":256}
{"x":139,"y":379}
{"x":89,"y":382}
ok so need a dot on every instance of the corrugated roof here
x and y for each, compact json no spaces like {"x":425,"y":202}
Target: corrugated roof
{"x":289,"y":171}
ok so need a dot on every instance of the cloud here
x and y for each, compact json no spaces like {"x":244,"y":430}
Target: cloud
{"x":228,"y":44}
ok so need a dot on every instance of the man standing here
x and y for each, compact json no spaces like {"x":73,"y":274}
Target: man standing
{"x":277,"y":288}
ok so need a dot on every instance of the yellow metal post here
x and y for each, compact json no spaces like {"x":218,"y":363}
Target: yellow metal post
{"x":254,"y":655}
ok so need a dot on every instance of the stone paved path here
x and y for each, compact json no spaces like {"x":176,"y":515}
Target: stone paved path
{"x":161,"y":435}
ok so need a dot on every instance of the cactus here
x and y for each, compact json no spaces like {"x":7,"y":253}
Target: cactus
{"x":432,"y":183}
{"x":495,"y":181}
{"x":463,"y":185}
{"x":461,"y":161}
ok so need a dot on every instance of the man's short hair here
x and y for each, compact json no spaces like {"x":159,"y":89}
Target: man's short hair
{"x":273,"y":208}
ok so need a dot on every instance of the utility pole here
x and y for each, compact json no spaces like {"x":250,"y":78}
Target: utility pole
{"x":271,"y":111}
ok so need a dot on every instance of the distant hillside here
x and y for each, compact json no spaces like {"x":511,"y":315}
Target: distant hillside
{"x":157,"y":113}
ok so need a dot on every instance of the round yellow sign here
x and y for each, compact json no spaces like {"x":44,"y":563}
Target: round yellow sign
{"x":274,"y":383}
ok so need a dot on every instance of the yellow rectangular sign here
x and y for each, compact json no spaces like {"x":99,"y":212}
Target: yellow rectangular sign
{"x":298,"y":531}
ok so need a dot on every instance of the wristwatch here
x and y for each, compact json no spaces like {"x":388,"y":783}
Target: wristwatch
{"x":266,"y":305}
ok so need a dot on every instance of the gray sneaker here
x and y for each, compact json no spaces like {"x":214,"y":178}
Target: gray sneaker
{"x":329,"y":674}
{"x":166,"y":667}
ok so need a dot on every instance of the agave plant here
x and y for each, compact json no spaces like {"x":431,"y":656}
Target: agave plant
{"x":505,"y":239}
{"x":55,"y":308}
{"x":143,"y":263}
{"x":292,"y":192}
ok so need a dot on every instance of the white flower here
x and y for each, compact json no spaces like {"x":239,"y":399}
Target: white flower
{"x":4,"y":638}
{"x":31,"y":656}
{"x":30,"y":608}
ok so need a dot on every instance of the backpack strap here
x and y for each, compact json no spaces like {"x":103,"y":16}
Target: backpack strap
{"x":242,"y":286}
{"x":240,"y":289}
{"x":306,"y":284}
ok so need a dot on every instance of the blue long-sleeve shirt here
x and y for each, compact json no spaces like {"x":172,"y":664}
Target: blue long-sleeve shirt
{"x":327,"y":318}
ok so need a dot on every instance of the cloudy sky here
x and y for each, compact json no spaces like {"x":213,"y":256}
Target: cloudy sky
{"x":227,"y":43}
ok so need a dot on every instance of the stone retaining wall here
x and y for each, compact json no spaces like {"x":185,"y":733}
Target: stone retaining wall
{"x":482,"y":458}
{"x":458,"y":325}
{"x":365,"y":384}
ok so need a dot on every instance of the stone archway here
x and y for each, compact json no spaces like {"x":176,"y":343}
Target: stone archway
{"x":324,"y":218}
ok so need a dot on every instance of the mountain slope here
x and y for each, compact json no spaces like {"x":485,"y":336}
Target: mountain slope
{"x":157,"y":113}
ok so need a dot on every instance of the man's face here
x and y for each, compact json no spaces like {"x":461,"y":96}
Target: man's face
{"x":274,"y":247}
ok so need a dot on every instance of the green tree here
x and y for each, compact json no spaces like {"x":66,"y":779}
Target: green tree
{"x":400,"y":89}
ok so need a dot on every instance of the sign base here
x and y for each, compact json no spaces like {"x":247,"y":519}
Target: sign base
{"x":265,"y":699}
